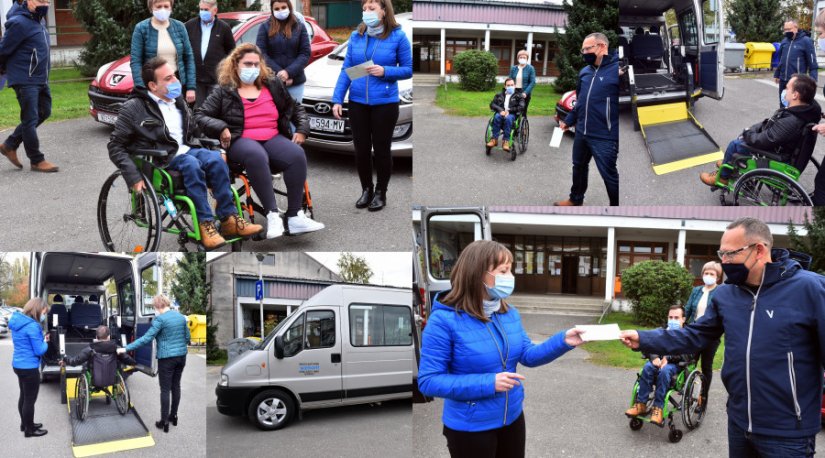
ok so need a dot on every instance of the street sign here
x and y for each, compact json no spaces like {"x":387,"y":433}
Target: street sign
{"x":259,"y":290}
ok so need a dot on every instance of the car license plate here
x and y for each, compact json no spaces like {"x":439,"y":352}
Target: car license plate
{"x":107,"y":118}
{"x":326,"y":124}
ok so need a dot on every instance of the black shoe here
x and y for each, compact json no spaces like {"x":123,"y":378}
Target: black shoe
{"x":379,"y":201}
{"x":162,"y":425}
{"x":36,"y":426}
{"x":365,"y":199}
{"x":173,"y":419}
{"x":37,"y":432}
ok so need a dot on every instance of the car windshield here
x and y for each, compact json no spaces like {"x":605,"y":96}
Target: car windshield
{"x":235,"y":24}
{"x":269,"y":336}
{"x":340,"y":52}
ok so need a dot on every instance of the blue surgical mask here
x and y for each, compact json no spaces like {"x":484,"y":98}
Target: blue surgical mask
{"x":510,"y":90}
{"x":162,"y":14}
{"x":503,"y":286}
{"x":43,"y":318}
{"x":281,"y":15}
{"x":370,"y":18}
{"x":173,"y":90}
{"x":674,"y":324}
{"x":206,"y":16}
{"x":249,"y":75}
{"x":785,"y":102}
{"x":821,"y":43}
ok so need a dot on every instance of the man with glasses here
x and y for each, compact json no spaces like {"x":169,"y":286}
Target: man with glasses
{"x":772,"y":313}
{"x":596,"y":118}
{"x":796,"y":55}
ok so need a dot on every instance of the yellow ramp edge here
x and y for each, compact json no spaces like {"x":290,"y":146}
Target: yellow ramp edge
{"x":666,"y":112}
{"x":113,"y":446}
{"x":71,"y":384}
{"x":661,"y":169}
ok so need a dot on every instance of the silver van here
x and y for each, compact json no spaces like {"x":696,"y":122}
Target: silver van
{"x":348,"y":344}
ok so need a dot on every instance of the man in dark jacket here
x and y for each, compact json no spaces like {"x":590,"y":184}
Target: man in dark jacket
{"x":507,"y":106}
{"x":781,"y":133}
{"x":212,"y":41}
{"x":160,"y":119}
{"x":24,"y":58}
{"x":596,"y":118}
{"x":772,"y":313}
{"x":796,"y":56}
{"x":103,"y":345}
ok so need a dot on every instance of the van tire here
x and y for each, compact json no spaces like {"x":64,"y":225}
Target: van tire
{"x":272,"y":398}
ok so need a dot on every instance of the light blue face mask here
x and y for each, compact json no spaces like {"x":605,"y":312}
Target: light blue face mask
{"x":370,"y":18}
{"x":173,"y":90}
{"x":206,"y":16}
{"x":503,"y":286}
{"x":510,"y":90}
{"x":785,"y":102}
{"x":249,"y":75}
{"x":674,"y":324}
{"x":43,"y":318}
{"x":162,"y":14}
{"x":281,"y":15}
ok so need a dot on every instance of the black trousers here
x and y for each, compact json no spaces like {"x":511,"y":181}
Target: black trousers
{"x":29,"y":382}
{"x":819,"y":187}
{"x":504,"y":442}
{"x":372,"y":127}
{"x":706,"y":358}
{"x":169,"y":373}
{"x":202,"y":90}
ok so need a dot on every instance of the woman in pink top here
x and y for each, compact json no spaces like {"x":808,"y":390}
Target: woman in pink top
{"x":251,"y":112}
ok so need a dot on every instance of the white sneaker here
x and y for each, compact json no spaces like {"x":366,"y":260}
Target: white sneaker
{"x":300,"y":224}
{"x":274,"y":225}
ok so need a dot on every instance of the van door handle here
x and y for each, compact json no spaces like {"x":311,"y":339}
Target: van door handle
{"x":335,"y":357}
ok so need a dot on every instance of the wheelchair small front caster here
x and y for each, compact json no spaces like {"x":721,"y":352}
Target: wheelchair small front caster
{"x":675,"y":435}
{"x":636,"y":424}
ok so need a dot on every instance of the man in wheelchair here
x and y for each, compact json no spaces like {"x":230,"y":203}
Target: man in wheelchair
{"x":660,"y":371}
{"x":780,"y":133}
{"x":159,"y":119}
{"x":102,"y":351}
{"x":507,"y":106}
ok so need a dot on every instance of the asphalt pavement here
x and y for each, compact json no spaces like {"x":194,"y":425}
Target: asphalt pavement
{"x":58,"y":211}
{"x":188,"y":436}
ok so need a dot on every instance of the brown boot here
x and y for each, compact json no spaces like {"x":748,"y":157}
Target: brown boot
{"x":709,"y":178}
{"x":656,"y":416}
{"x":209,"y":235}
{"x":492,"y":143}
{"x":719,"y":163}
{"x":234,"y":225}
{"x":11,"y":155}
{"x":640,"y":408}
{"x":566,"y":203}
{"x":506,"y":145}
{"x":45,"y":167}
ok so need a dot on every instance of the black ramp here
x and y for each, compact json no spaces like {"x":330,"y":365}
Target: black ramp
{"x":673,"y":141}
{"x":653,"y":81}
{"x":105,"y":424}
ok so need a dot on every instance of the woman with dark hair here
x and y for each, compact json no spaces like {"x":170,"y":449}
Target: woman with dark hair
{"x":284,"y":42}
{"x":29,"y":346}
{"x":470,"y":352}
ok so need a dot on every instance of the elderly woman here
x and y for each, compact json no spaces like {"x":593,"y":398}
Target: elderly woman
{"x":698,"y":302}
{"x":170,"y":330}
{"x":524,"y":75}
{"x":29,"y":346}
{"x":163,"y":36}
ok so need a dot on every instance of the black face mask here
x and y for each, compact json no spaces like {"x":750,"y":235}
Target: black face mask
{"x":40,"y":12}
{"x":589,"y":58}
{"x":737,"y":274}
{"x":789,"y":35}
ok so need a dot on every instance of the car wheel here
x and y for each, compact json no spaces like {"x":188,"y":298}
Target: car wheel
{"x":271,"y":410}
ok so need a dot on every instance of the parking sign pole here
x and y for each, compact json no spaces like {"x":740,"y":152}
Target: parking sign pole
{"x":261,"y":296}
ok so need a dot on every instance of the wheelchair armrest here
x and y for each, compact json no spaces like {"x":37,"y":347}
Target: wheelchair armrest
{"x":768,"y":154}
{"x":149,"y":152}
{"x":210,"y":143}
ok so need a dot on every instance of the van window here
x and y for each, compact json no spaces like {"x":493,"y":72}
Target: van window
{"x":294,"y":337}
{"x":149,"y":284}
{"x":379,"y":325}
{"x":687,"y":24}
{"x":126,"y":299}
{"x":320,"y":329}
{"x":711,"y":27}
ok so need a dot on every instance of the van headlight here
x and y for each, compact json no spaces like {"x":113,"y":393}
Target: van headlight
{"x":224,"y":380}
{"x":401,"y":130}
{"x":406,"y":96}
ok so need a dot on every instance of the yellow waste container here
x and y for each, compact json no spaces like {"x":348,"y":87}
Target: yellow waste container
{"x":758,"y":55}
{"x":197,"y":329}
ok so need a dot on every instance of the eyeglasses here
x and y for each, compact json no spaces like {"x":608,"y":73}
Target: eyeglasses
{"x":588,"y":48}
{"x":732,"y":253}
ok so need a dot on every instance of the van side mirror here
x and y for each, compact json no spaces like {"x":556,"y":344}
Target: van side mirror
{"x":279,"y":347}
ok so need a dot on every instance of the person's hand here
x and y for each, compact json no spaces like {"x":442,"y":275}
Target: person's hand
{"x":283,"y":75}
{"x":375,"y":70}
{"x":289,"y":82}
{"x":820,"y":129}
{"x":505,"y":381}
{"x":656,"y":362}
{"x":298,"y":138}
{"x":563,"y":126}
{"x":46,"y":339}
{"x":337,"y":111}
{"x":630,"y":339}
{"x":62,"y":363}
{"x":121,"y":350}
{"x":776,"y":80}
{"x":190,"y":96}
{"x":140,"y":186}
{"x":664,"y":362}
{"x":573,"y":337}
{"x":226,"y":137}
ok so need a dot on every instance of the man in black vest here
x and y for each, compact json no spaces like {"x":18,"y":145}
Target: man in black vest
{"x":211,"y":40}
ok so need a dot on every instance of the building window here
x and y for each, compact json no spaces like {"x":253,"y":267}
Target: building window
{"x":696,"y":256}
{"x":634,"y":252}
{"x":380,"y":325}
{"x":63,"y":5}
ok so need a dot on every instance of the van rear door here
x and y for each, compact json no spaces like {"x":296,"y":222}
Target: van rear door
{"x":149,"y":284}
{"x":712,"y":49}
{"x":34,"y":273}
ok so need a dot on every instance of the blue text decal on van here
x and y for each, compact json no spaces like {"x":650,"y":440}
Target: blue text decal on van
{"x":309,"y":368}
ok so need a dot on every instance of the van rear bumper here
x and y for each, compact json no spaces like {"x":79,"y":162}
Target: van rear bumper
{"x":232,"y":401}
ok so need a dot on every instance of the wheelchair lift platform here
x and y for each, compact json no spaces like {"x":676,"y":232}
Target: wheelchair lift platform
{"x":675,"y":140}
{"x":105,"y":430}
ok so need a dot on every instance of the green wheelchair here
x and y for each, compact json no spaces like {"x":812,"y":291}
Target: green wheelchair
{"x":519,"y":135}
{"x":109,"y":381}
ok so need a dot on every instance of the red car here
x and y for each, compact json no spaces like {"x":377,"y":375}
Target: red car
{"x":565,"y":105}
{"x":113,"y":83}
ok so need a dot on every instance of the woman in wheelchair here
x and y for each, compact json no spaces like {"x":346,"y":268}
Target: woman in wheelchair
{"x":507,"y":106}
{"x":250,"y":112}
{"x":659,"y":371}
{"x":779,"y":134}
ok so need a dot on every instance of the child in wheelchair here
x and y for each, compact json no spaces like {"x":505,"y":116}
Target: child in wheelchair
{"x":101,"y":358}
{"x":507,"y":106}
{"x":660,"y":371}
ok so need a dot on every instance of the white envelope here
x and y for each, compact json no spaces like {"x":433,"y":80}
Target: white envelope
{"x":599,"y":331}
{"x":555,"y":140}
{"x":359,"y":71}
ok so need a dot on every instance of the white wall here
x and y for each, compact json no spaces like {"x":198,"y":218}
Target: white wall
{"x":5,"y":6}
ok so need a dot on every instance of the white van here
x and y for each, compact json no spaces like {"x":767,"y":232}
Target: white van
{"x":348,"y":344}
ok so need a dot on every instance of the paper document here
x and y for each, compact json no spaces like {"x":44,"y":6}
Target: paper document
{"x":555,"y":140}
{"x":599,"y":331}
{"x":359,"y":71}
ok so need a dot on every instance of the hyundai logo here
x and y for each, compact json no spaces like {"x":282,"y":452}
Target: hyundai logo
{"x":322,"y":108}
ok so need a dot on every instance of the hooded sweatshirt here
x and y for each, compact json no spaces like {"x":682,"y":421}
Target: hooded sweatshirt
{"x":27,"y":337}
{"x":781,"y":132}
{"x":24,"y":49}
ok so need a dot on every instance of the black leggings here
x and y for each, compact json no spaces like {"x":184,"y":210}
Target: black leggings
{"x":261,"y":159}
{"x":169,"y":373}
{"x":29,"y":382}
{"x":372,"y":127}
{"x":504,"y":442}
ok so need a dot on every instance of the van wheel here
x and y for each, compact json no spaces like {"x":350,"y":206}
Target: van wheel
{"x":271,"y":410}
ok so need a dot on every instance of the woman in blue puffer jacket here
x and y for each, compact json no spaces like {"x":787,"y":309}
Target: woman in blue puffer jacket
{"x":470,"y":351}
{"x":373,"y":99}
{"x":29,"y":345}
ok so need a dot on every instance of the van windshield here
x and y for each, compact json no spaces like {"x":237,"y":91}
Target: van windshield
{"x":270,"y":336}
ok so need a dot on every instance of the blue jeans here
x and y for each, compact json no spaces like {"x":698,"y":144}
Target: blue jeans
{"x":741,"y":444}
{"x":35,"y":102}
{"x":653,"y":375}
{"x":297,"y":92}
{"x":507,"y":122}
{"x":736,"y":146}
{"x":200,"y":166}
{"x":605,"y":152}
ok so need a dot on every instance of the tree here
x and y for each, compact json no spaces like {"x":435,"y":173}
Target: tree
{"x":766,"y":26}
{"x":169,"y":269}
{"x":801,"y":12}
{"x":654,"y":286}
{"x":583,"y":18}
{"x":354,"y":269}
{"x":476,"y":70}
{"x":189,"y":286}
{"x":402,"y":6}
{"x":18,"y":293}
{"x":814,"y":242}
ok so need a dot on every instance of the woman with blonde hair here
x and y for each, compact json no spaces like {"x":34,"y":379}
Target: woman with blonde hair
{"x":695,"y":307}
{"x":29,"y":346}
{"x":250,"y":112}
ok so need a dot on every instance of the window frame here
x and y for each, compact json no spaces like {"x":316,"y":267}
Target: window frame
{"x":350,"y":309}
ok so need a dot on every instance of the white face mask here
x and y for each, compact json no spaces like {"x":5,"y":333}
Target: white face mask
{"x":821,"y":43}
{"x":709,"y":280}
{"x":522,"y":61}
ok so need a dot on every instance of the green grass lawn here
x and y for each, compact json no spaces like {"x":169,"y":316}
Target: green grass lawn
{"x":613,"y":353}
{"x":69,"y":99}
{"x":457,"y":102}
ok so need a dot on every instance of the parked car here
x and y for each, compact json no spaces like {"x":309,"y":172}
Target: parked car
{"x":113,"y":83}
{"x":565,"y":105}
{"x":4,"y":326}
{"x":335,"y":135}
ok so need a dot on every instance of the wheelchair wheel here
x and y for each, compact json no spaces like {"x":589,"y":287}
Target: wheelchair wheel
{"x":513,"y":147}
{"x":766,"y":187}
{"x":127,"y":221}
{"x":693,"y":389}
{"x":524,"y":135}
{"x":675,"y":435}
{"x":81,"y":397}
{"x":636,"y":424}
{"x":121,"y":394}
